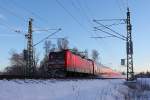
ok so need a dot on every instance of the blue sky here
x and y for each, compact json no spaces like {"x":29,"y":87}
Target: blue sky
{"x":77,"y":26}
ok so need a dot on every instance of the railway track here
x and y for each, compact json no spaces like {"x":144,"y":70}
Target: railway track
{"x":9,"y":77}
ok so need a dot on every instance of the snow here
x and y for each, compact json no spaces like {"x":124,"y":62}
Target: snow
{"x":144,"y":81}
{"x":62,"y":89}
{"x":142,"y":90}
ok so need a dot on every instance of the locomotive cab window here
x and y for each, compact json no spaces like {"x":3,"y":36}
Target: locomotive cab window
{"x":57,"y":57}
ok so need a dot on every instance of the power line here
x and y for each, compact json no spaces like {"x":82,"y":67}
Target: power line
{"x":8,"y":27}
{"x":58,"y":2}
{"x":103,"y":44}
{"x":47,"y":37}
{"x":83,"y":10}
{"x":109,"y":33}
{"x":20,"y":17}
{"x":80,"y":8}
{"x":47,"y":30}
{"x":85,"y":14}
{"x":12,"y":13}
{"x":111,"y":20}
{"x":29,"y":11}
{"x":114,"y":24}
{"x":89,"y":10}
{"x":68,"y":12}
{"x":109,"y":28}
{"x":120,"y":8}
{"x":102,"y":37}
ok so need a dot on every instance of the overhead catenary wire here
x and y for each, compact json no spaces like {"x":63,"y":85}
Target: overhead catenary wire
{"x":109,"y":29}
{"x":13,"y":13}
{"x":85,"y":13}
{"x":114,"y":24}
{"x":120,"y":8}
{"x":59,"y":3}
{"x":9,"y":27}
{"x":46,"y":29}
{"x":29,"y":11}
{"x":102,"y":37}
{"x":72,"y":16}
{"x":112,"y":20}
{"x":20,"y":17}
{"x":108,"y":26}
{"x":89,"y":17}
{"x":6,"y":25}
{"x":80,"y":9}
{"x":110,"y":34}
{"x":89,"y":10}
{"x":47,"y":37}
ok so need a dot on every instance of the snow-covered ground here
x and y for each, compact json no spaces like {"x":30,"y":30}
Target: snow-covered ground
{"x":62,"y":90}
{"x":144,"y":82}
{"x":140,"y":90}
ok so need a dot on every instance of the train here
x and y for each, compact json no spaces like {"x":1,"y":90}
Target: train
{"x":67,"y":63}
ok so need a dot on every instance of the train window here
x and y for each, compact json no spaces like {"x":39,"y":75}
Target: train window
{"x":57,"y":58}
{"x":57,"y":55}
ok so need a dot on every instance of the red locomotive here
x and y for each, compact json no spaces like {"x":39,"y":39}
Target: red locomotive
{"x":65,"y":63}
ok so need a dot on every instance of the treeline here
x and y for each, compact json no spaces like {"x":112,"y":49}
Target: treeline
{"x":143,"y":75}
{"x":18,"y":62}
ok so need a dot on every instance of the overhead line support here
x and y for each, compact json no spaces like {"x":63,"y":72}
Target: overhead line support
{"x":30,"y":68}
{"x":129,"y":48}
{"x":129,"y":43}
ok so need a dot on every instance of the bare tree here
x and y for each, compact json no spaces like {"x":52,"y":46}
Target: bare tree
{"x":17,"y":65}
{"x":36,"y":59}
{"x":83,"y":54}
{"x":43,"y":69}
{"x":17,"y":59}
{"x":86,"y":53}
{"x":75,"y":50}
{"x":47,"y":47}
{"x":62,"y":43}
{"x":95,"y":55}
{"x":53,"y":48}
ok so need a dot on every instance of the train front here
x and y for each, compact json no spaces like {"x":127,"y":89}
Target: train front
{"x":56,"y":64}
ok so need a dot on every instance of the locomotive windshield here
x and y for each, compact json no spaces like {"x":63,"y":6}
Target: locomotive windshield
{"x":57,"y":57}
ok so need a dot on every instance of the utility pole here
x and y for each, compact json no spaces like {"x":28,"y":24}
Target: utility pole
{"x":29,"y":53}
{"x":127,"y":39}
{"x":129,"y":47}
{"x":30,"y":58}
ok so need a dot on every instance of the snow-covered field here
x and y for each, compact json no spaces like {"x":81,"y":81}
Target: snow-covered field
{"x":114,"y":89}
{"x":144,"y":82}
{"x":62,"y":90}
